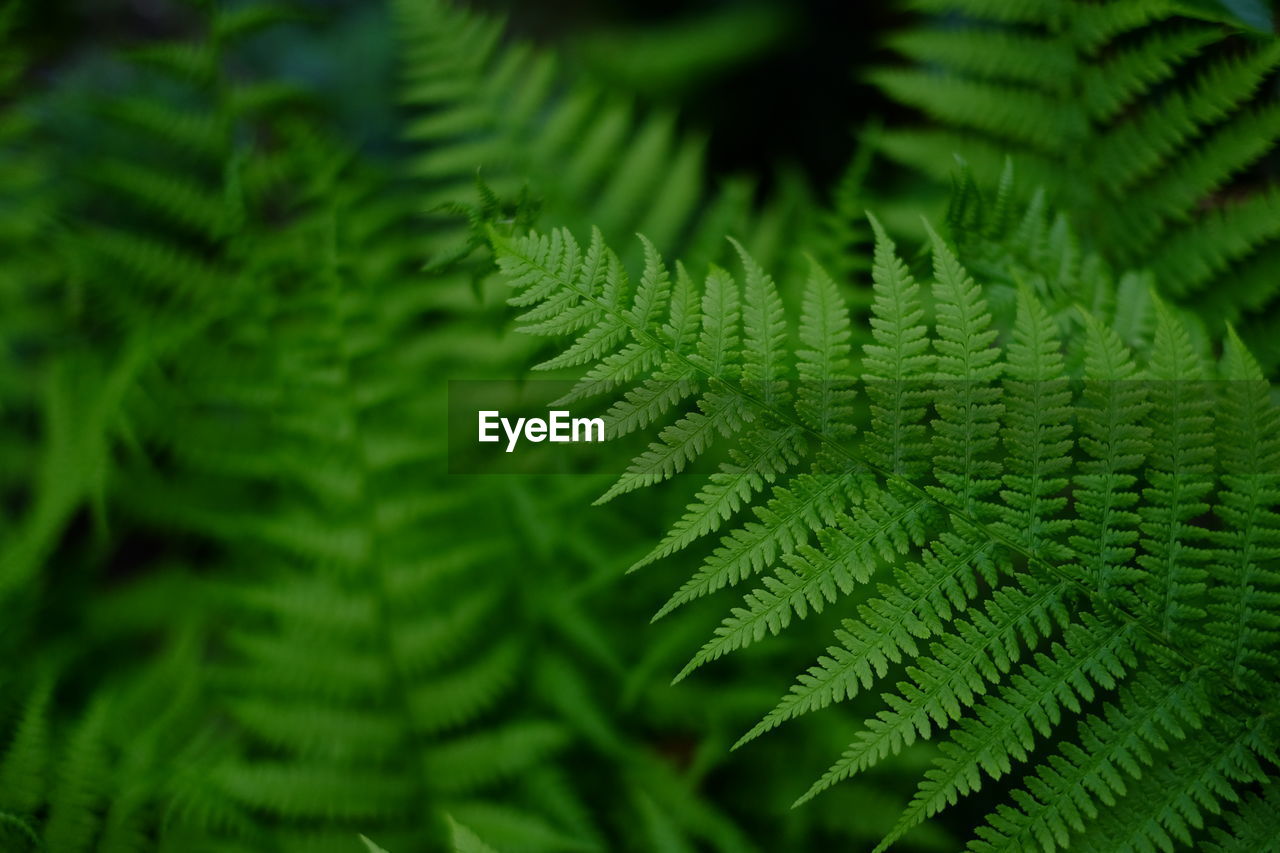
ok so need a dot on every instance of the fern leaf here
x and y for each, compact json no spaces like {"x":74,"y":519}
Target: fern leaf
{"x":1066,"y":790}
{"x":1253,"y":826}
{"x":302,"y":791}
{"x":783,"y":523}
{"x":471,"y":762}
{"x":1004,"y":726}
{"x":1189,"y":262}
{"x":1136,"y":115}
{"x":1175,"y":799}
{"x":449,"y":700}
{"x":1180,"y":471}
{"x":764,"y":333}
{"x":1156,"y":205}
{"x":1243,"y":595}
{"x":1112,"y":85}
{"x":25,"y":770}
{"x":968,"y":405}
{"x":1093,"y":25}
{"x":681,"y":443}
{"x":1037,"y":434}
{"x":973,"y":653}
{"x":1021,"y":115}
{"x":1025,"y":575}
{"x":926,"y":594}
{"x":1134,"y":150}
{"x":721,"y":318}
{"x":766,"y":456}
{"x":823,"y":364}
{"x":1113,"y":436}
{"x":82,"y":780}
{"x":648,"y":402}
{"x":847,"y":554}
{"x":1035,"y":60}
{"x":652,"y":293}
{"x":896,"y":364}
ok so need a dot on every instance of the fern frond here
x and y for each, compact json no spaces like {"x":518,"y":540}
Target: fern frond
{"x":823,"y":365}
{"x":1037,"y":399}
{"x":1004,"y":726}
{"x":355,"y":661}
{"x":1187,"y":787}
{"x":926,"y":595}
{"x":965,"y":368}
{"x":1251,"y":827}
{"x":475,"y":761}
{"x":79,"y":789}
{"x":945,"y":682}
{"x":781,"y":524}
{"x":896,"y":364}
{"x":1022,"y":116}
{"x":1142,"y":145}
{"x":1114,"y":438}
{"x":764,"y":458}
{"x":1180,"y":470}
{"x":1047,"y":551}
{"x":847,"y":555}
{"x":1033,"y":59}
{"x":1137,"y":116}
{"x":24,"y":773}
{"x":1245,"y":586}
{"x":1070,"y":787}
{"x":593,"y":157}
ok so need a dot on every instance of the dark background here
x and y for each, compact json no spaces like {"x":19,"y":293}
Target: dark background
{"x":778,"y":94}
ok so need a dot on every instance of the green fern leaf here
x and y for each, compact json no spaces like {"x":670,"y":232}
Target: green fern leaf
{"x":1046,"y":551}
{"x":1138,"y":116}
{"x":1243,"y":595}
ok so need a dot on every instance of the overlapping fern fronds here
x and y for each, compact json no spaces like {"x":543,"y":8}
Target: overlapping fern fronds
{"x":1143,"y":120}
{"x":352,"y":657}
{"x":57,"y":394}
{"x":177,"y":178}
{"x":588,"y":156}
{"x":357,"y":638}
{"x":1029,"y":507}
{"x":103,"y":780}
{"x":365,"y":692}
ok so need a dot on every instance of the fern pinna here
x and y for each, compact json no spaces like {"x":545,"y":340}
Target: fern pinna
{"x":1146,"y":118}
{"x":1074,"y":568}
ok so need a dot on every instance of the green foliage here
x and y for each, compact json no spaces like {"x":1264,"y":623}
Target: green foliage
{"x":95,"y":782}
{"x":354,"y":660}
{"x":1030,"y":508}
{"x":1147,"y":124}
{"x":246,"y":608}
{"x":477,"y":106}
{"x":265,"y":293}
